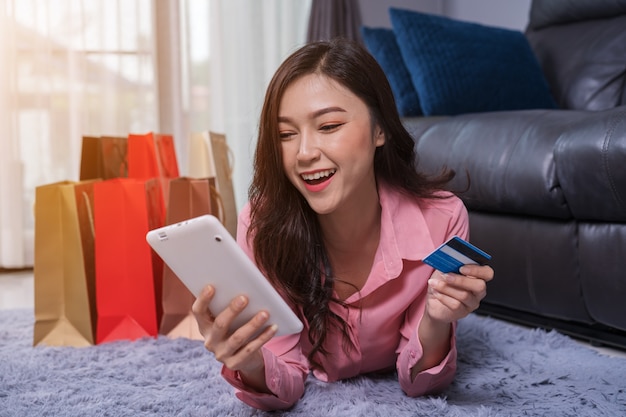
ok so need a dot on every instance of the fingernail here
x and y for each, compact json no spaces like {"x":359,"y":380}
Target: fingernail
{"x":434,"y":283}
{"x":240,"y":301}
{"x":463,"y":270}
{"x":449,"y":278}
{"x":431,"y":286}
{"x":263,"y":316}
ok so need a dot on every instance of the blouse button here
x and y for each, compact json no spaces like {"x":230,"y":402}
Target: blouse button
{"x":412,"y":354}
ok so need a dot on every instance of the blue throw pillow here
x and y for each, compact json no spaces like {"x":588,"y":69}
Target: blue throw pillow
{"x":382,"y":45}
{"x":459,"y":67}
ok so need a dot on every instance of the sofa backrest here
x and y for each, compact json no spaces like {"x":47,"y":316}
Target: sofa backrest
{"x":581,"y":46}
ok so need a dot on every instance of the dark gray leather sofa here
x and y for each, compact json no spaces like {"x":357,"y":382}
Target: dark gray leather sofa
{"x":546,"y":189}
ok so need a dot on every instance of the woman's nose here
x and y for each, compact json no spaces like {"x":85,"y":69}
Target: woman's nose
{"x":309,"y":147}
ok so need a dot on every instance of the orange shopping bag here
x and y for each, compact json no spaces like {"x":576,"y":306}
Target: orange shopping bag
{"x":126,"y":268}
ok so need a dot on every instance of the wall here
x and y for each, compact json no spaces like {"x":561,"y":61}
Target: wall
{"x":375,"y":13}
{"x":512,"y":14}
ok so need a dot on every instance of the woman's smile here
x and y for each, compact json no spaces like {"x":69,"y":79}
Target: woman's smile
{"x":316,"y":181}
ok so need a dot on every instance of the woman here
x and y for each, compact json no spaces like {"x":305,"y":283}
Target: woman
{"x":339,"y":220}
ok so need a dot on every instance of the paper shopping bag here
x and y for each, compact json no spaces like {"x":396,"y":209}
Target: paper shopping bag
{"x":201,"y":163}
{"x":222,"y":157}
{"x":210,"y":156}
{"x":153,"y":156}
{"x":64,"y":271}
{"x":126,"y":268}
{"x":103,"y":157}
{"x":189,"y":197}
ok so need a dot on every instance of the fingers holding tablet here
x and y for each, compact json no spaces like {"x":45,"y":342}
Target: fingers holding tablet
{"x":231,"y":347}
{"x":200,"y":309}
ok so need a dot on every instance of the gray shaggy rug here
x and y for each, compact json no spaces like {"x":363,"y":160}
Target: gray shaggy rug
{"x":504,"y":370}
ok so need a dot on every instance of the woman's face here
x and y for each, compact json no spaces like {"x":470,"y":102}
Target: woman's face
{"x":328,"y":143}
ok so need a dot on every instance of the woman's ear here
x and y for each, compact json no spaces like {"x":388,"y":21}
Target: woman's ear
{"x":379,"y":136}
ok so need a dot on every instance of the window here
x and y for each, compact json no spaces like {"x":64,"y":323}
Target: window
{"x":71,"y":68}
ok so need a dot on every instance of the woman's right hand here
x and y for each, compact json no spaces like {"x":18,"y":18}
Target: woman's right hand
{"x":234,"y":349}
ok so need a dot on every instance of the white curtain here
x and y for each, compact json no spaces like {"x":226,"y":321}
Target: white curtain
{"x":68,"y":68}
{"x":251,"y":39}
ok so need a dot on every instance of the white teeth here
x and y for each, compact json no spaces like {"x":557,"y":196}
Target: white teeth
{"x":318,"y":175}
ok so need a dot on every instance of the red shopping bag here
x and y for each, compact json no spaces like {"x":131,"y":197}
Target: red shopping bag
{"x":153,"y":156}
{"x":126,"y":268}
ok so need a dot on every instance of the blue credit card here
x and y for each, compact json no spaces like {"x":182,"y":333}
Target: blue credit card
{"x":455,"y":253}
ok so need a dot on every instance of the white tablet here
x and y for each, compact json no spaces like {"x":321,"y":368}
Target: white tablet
{"x":200,"y":251}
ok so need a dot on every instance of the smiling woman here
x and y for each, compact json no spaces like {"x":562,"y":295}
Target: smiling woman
{"x":345,"y":247}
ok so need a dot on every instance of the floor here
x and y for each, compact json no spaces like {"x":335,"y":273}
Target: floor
{"x":17,"y":291}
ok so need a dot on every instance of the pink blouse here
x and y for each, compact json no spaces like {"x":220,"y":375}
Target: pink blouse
{"x":383,"y":317}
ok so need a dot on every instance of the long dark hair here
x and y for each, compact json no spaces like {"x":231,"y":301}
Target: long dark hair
{"x":287,"y":239}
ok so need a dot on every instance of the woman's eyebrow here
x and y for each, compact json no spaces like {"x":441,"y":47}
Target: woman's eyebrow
{"x":326,"y":110}
{"x":316,"y":113}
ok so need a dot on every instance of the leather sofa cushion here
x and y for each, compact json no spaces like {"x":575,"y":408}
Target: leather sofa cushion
{"x":557,"y":12}
{"x":550,"y":163}
{"x":584,"y":62}
{"x":536,"y":263}
{"x":602,"y":264}
{"x":505,"y":158}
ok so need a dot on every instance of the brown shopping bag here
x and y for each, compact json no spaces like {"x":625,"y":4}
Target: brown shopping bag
{"x":127,"y":272}
{"x":210,"y":156}
{"x":64,"y":274}
{"x":188,"y":198}
{"x":103,"y":157}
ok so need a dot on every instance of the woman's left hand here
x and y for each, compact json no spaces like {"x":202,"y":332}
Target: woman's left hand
{"x":453,"y":296}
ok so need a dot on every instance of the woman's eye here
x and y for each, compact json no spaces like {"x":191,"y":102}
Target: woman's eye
{"x":285,"y":135}
{"x":330,"y":127}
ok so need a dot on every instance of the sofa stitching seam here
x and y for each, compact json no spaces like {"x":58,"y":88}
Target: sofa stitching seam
{"x":605,"y":156}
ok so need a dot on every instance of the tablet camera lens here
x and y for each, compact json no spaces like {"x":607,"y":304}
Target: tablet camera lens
{"x":218,"y":238}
